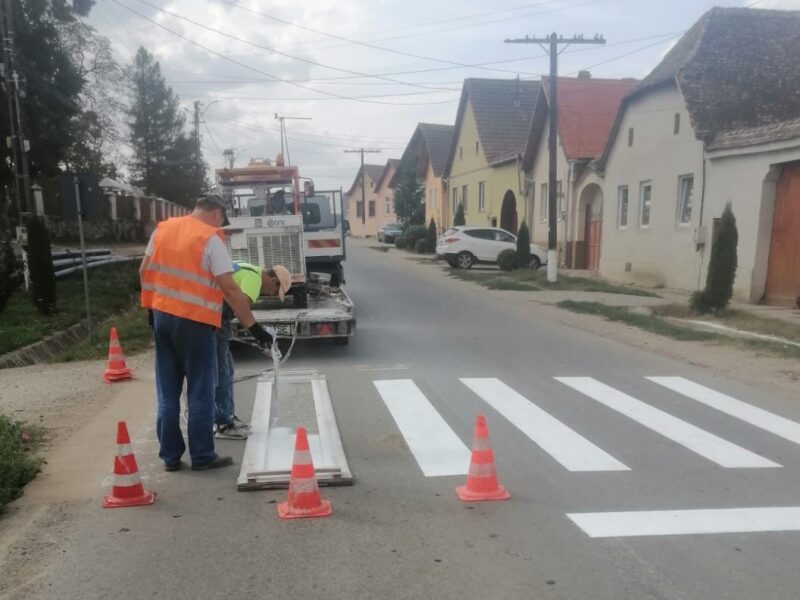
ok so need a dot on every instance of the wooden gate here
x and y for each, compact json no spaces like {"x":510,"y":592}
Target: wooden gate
{"x":783,"y":274}
{"x":592,"y":235}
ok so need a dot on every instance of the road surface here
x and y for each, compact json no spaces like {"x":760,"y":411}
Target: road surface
{"x":622,"y":486}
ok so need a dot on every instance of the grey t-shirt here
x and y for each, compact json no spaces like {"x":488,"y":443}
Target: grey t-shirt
{"x":215,"y":256}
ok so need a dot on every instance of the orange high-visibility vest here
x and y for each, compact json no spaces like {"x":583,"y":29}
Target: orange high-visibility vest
{"x":175,"y":282}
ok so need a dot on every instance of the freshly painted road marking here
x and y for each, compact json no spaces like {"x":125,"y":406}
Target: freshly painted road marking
{"x":568,"y":447}
{"x":438,"y":450}
{"x":705,"y":444}
{"x":780,"y":426}
{"x":688,"y":522}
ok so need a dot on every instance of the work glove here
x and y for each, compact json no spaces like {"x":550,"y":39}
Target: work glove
{"x":150,"y":318}
{"x":260,"y":335}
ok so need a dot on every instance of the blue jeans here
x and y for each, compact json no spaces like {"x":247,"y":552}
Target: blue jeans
{"x":185,"y":349}
{"x":223,"y":398}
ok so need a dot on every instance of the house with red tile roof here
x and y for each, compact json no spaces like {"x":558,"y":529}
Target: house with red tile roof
{"x":587,"y":109}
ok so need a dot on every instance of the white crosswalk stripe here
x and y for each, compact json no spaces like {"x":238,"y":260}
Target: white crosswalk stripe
{"x":435,"y":446}
{"x":565,"y":445}
{"x":780,"y":426}
{"x":708,"y":445}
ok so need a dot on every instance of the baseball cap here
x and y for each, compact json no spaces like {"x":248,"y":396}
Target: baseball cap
{"x":213,"y":198}
{"x":284,"y":278}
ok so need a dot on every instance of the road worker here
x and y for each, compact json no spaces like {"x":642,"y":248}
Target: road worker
{"x":185,"y":275}
{"x":254,"y":282}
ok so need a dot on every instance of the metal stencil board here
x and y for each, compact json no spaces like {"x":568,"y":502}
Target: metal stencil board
{"x":302,"y":399}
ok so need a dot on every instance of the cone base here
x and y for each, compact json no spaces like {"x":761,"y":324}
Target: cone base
{"x":112,"y":376}
{"x":323,"y":510}
{"x":468,"y":496}
{"x":144,"y":500}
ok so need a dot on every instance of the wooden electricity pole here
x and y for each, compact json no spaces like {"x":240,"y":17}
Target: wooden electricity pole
{"x":554,"y":41}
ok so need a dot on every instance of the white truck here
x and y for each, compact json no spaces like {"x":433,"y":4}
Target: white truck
{"x":274,"y":222}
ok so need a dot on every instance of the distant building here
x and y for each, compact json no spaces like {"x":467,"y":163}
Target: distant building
{"x":365,"y":224}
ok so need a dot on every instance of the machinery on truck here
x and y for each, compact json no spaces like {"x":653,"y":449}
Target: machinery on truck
{"x":274,"y":221}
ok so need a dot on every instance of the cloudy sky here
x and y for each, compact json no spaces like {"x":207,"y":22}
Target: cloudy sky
{"x":365,"y":72}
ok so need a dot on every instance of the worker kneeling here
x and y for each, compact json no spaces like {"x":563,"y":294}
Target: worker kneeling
{"x":254,"y":282}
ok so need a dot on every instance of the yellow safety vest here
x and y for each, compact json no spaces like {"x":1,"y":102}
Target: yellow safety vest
{"x":248,"y":278}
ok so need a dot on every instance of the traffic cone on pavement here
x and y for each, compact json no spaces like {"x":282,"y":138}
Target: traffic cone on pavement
{"x":116,"y":370}
{"x":127,"y":488}
{"x":482,"y":478}
{"x":304,"y":499}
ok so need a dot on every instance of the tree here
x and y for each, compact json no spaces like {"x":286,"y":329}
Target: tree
{"x":430,"y":238}
{"x":40,"y":266}
{"x":524,"y":245}
{"x":459,"y":220}
{"x":165,"y":158}
{"x":409,"y":195}
{"x":50,"y":81}
{"x":721,"y":267}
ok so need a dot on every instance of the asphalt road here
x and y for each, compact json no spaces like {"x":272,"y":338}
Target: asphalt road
{"x":398,"y":533}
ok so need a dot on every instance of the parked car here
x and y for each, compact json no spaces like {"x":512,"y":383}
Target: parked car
{"x":390,"y":232}
{"x":463,"y":247}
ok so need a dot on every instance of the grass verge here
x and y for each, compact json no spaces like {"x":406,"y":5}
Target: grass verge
{"x":658,"y":324}
{"x":112,"y":289}
{"x":534,"y":281}
{"x":18,"y":463}
{"x":134,"y":335}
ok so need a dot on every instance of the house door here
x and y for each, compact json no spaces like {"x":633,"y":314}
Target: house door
{"x":783,"y":274}
{"x":593,"y":233}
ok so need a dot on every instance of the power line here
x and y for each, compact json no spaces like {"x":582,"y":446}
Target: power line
{"x":270,"y":48}
{"x":210,"y":135}
{"x":259,"y":71}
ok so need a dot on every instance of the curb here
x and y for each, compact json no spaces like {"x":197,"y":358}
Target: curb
{"x":46,"y":349}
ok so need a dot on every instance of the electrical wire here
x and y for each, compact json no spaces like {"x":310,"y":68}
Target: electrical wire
{"x":261,"y":72}
{"x":213,"y":141}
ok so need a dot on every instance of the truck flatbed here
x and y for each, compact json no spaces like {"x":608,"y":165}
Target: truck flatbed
{"x":331,"y":315}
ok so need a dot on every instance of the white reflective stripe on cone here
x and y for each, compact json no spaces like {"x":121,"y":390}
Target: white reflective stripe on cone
{"x":304,"y":486}
{"x":126,"y":480}
{"x":182,"y":296}
{"x":302,"y":457}
{"x":481,"y":443}
{"x":124,"y":450}
{"x":478,"y":470}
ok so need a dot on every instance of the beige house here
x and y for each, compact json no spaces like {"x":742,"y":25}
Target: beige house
{"x":717,"y":122}
{"x":364,"y":224}
{"x":586,"y":111}
{"x":428,"y":149}
{"x":384,"y":195}
{"x":484,"y":166}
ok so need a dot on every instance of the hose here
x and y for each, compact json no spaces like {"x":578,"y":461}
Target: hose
{"x":274,"y":351}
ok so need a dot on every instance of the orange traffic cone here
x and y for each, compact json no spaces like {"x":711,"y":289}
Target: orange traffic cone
{"x":116,"y":370}
{"x":304,"y":499}
{"x":127,"y":489}
{"x":482,"y":478}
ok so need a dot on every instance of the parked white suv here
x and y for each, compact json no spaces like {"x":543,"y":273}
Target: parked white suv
{"x":463,"y":247}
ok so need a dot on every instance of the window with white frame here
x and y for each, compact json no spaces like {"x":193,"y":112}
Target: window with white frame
{"x":543,"y":203}
{"x":481,"y":196}
{"x":560,"y":199}
{"x":645,"y":203}
{"x":387,"y":206}
{"x":622,"y":206}
{"x":464,"y":198}
{"x":685,"y":192}
{"x":455,"y":200}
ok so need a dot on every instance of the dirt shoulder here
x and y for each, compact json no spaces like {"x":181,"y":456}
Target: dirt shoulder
{"x":778,"y":375}
{"x":79,"y":413}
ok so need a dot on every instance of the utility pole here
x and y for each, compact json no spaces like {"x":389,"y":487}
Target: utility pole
{"x":17,"y":141}
{"x":362,"y":151}
{"x":197,"y":166}
{"x":284,"y":138}
{"x":554,"y":41}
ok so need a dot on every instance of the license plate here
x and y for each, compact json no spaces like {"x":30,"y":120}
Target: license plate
{"x":283,"y":329}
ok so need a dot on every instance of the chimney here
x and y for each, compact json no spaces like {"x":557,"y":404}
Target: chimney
{"x":584,"y":75}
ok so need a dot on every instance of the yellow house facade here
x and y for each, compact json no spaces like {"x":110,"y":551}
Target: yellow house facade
{"x":484,"y":167}
{"x":364,"y":224}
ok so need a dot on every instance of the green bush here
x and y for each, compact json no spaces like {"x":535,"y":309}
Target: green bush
{"x":431,"y":236}
{"x":40,"y":266}
{"x":721,"y":267}
{"x":414,"y":233}
{"x":524,"y":245}
{"x":17,"y":465}
{"x":459,"y":220}
{"x":401,"y":242}
{"x":421,"y":246}
{"x":508,"y":260}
